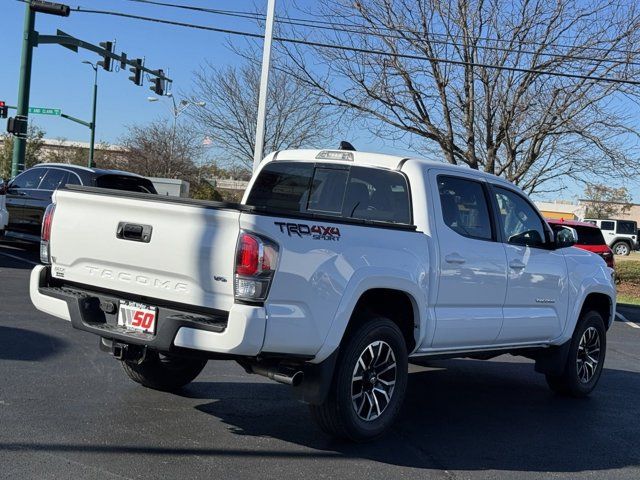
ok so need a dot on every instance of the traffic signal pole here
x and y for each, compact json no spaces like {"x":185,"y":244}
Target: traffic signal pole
{"x":24,"y":86}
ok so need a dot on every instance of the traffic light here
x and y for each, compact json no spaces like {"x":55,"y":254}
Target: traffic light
{"x":18,"y":125}
{"x":4,"y":110}
{"x":158,"y":84}
{"x":137,"y":72}
{"x":106,"y":63}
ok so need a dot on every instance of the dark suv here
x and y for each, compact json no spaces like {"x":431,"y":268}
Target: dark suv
{"x":29,"y":194}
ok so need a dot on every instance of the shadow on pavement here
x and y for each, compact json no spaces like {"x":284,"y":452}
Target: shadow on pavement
{"x":25,"y":345}
{"x":12,"y":255}
{"x":468,"y":415}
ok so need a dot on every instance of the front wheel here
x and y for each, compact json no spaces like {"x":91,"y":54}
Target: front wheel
{"x":164,"y":372}
{"x":369,"y":383}
{"x":621,"y":248}
{"x":585,"y":359}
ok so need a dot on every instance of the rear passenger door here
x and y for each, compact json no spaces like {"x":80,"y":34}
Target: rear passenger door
{"x":472,"y":264}
{"x":535,"y":308}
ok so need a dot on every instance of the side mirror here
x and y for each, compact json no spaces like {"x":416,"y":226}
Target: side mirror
{"x":4,"y":186}
{"x":565,"y":237}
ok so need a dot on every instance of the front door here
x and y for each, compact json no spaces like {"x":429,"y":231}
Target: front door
{"x":535,"y":308}
{"x":472,"y":264}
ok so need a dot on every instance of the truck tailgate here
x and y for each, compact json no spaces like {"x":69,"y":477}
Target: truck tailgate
{"x":187,"y":258}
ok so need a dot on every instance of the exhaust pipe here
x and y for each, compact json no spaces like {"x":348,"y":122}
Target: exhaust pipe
{"x":279,"y":373}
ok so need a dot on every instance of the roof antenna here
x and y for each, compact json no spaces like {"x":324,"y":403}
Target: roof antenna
{"x":344,"y":145}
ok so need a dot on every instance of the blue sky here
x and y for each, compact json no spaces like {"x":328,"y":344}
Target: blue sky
{"x":60,"y":80}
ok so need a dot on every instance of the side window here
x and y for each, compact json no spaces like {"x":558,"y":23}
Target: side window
{"x":626,"y":228}
{"x":53,"y":179}
{"x":73,"y":179}
{"x":29,"y":179}
{"x":607,"y":225}
{"x":464,"y":207}
{"x":521,"y":224}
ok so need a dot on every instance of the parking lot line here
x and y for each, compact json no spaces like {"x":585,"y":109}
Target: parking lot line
{"x":624,"y":319}
{"x":15,"y":257}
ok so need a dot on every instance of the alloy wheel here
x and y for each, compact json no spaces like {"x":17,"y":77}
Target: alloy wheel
{"x":373,"y":380}
{"x":588,"y":354}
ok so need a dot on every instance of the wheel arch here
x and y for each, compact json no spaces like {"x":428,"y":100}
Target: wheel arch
{"x":601,"y":303}
{"x":368,"y":291}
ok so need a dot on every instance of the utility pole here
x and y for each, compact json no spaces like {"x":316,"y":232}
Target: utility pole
{"x":24,"y":86}
{"x":264,"y":85}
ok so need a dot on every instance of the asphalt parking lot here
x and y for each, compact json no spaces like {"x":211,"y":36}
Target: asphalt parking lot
{"x":68,"y":410}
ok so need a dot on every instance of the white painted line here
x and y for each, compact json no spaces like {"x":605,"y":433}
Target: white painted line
{"x":624,"y":319}
{"x":15,"y":257}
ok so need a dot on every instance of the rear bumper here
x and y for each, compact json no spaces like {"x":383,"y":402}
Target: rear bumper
{"x":238,"y":332}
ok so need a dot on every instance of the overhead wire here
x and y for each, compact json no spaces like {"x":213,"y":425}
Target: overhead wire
{"x":356,"y":49}
{"x":344,"y":27}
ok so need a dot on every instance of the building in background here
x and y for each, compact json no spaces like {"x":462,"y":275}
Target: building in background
{"x":561,"y":210}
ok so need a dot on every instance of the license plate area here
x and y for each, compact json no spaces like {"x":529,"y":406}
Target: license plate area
{"x":137,"y":317}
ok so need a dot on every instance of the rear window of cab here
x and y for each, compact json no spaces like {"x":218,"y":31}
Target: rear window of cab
{"x":352,"y":192}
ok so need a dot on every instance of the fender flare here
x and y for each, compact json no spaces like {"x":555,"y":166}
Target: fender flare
{"x":372,"y":278}
{"x":586,"y":289}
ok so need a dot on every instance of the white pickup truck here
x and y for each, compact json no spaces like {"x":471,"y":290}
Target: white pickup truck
{"x":336,"y":270}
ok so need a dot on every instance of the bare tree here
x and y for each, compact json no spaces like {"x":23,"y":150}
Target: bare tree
{"x":606,"y":202}
{"x":294,"y":117}
{"x":436,"y":88}
{"x":157,"y":150}
{"x":33,"y":155}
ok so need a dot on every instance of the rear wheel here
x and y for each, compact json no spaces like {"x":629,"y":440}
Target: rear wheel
{"x":164,"y":372}
{"x":585,"y":359}
{"x":369,"y":383}
{"x":621,"y":248}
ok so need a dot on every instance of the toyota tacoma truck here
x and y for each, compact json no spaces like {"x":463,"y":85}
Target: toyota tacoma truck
{"x":336,"y":270}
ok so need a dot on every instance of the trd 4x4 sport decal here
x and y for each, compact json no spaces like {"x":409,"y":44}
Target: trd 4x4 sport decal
{"x":317,"y":232}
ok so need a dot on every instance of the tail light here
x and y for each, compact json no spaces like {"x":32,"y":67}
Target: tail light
{"x":45,"y":235}
{"x":608,"y":259}
{"x":256,"y":259}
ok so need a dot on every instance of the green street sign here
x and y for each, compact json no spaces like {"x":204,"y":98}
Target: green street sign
{"x":45,"y":111}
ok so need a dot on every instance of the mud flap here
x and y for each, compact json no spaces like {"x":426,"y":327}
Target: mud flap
{"x":552,"y":361}
{"x":318,"y":379}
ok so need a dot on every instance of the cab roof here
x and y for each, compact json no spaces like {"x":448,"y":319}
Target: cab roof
{"x":393,"y":162}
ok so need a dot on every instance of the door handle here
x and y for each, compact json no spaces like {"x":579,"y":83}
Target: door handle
{"x":516,"y":264}
{"x":454,"y":258}
{"x":134,"y":232}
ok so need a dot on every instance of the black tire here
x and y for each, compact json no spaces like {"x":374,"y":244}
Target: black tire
{"x":337,"y":416}
{"x":572,"y":380}
{"x":164,"y":372}
{"x":621,"y":248}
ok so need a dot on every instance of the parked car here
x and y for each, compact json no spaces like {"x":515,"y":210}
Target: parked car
{"x":620,"y":235}
{"x":4,"y":215}
{"x":29,"y":194}
{"x":336,"y":270}
{"x":589,"y":237}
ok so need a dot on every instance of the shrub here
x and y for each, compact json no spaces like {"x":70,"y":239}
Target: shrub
{"x":628,"y":272}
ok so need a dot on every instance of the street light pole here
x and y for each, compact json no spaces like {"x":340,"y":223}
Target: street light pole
{"x":264,"y":85}
{"x":93,"y":114}
{"x":176,"y":111}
